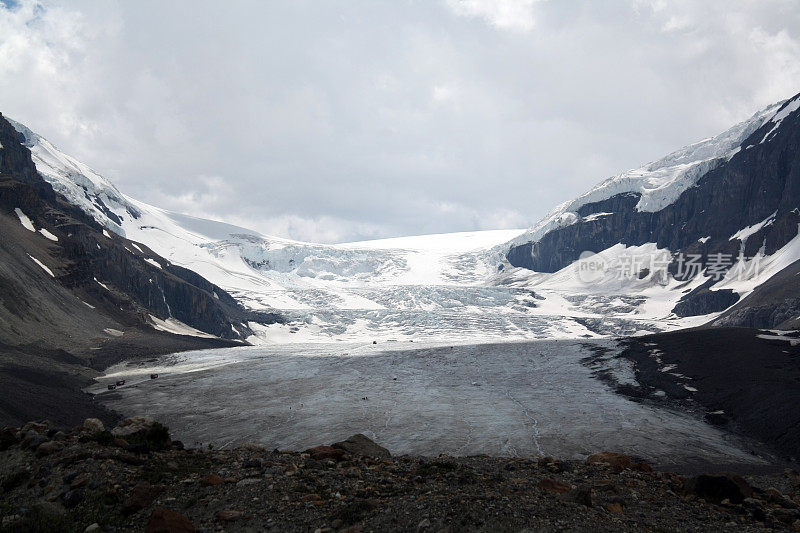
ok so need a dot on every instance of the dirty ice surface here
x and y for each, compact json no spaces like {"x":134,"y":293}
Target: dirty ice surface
{"x":512,"y":399}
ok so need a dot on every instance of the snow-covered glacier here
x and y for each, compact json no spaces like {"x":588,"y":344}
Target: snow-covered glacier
{"x":414,"y":341}
{"x":454,"y":286}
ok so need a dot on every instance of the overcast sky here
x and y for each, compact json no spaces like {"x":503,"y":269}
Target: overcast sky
{"x":344,"y":120}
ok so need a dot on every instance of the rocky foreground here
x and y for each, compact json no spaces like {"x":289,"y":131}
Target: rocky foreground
{"x":134,"y":478}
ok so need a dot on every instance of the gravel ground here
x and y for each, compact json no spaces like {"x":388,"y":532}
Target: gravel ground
{"x":68,"y":482}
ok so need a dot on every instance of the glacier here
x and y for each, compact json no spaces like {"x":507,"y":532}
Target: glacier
{"x":457,"y":286}
{"x":427,"y":344}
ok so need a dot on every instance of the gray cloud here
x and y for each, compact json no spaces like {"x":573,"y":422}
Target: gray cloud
{"x":338,"y":121}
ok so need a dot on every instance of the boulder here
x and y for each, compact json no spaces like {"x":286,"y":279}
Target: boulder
{"x":618,"y":461}
{"x":142,"y":495}
{"x":133,"y":426}
{"x":718,"y":487}
{"x":142,"y":430}
{"x":32,"y":440}
{"x":321,"y":453}
{"x":93,"y":425}
{"x":166,"y":521}
{"x":47,"y":448}
{"x":361,"y":445}
{"x":38,"y":427}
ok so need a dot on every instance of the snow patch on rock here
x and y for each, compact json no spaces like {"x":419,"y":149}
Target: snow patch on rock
{"x":42,"y":265}
{"x":24,"y":220}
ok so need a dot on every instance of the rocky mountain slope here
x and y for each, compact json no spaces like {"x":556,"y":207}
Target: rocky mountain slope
{"x":734,"y":197}
{"x":72,"y":294}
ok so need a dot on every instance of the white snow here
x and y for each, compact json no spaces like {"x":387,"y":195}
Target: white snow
{"x":153,"y":262}
{"x":105,"y":234}
{"x":42,"y":265}
{"x":113,"y":332}
{"x":790,"y":108}
{"x":781,"y":336}
{"x":704,"y":239}
{"x":101,"y":284}
{"x":744,"y":233}
{"x":48,"y":235}
{"x":24,"y":220}
{"x":595,"y":216}
{"x":173,"y":325}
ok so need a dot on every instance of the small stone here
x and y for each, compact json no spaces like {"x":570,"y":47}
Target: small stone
{"x":48,"y":448}
{"x":252,"y":447}
{"x":784,"y":516}
{"x":252,"y":463}
{"x":71,"y":498}
{"x":211,"y":480}
{"x":229,"y":516}
{"x":167,"y":521}
{"x":141,"y":496}
{"x":33,"y":440}
{"x":10,"y":520}
{"x":775,"y":496}
{"x":551,"y":485}
{"x":618,"y":461}
{"x":320,"y":453}
{"x":581,"y":495}
{"x":424,"y":524}
{"x":79,"y":481}
{"x":310,"y":498}
{"x":614,"y":507}
{"x":93,"y":528}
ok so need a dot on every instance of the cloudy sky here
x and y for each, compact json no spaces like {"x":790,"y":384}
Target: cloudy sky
{"x":343,"y":120}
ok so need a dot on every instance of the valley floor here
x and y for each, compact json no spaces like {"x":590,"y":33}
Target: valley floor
{"x":560,"y":398}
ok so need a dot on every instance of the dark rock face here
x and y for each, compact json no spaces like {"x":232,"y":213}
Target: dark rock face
{"x":775,"y":304}
{"x":761,"y":181}
{"x":83,"y":258}
{"x":703,"y":301}
{"x":749,"y":383}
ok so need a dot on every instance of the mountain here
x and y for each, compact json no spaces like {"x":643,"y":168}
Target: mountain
{"x":74,"y":296}
{"x":737,"y":194}
{"x":733,"y":194}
